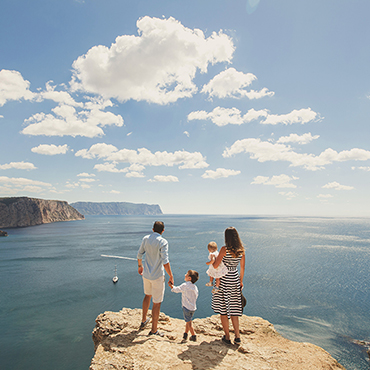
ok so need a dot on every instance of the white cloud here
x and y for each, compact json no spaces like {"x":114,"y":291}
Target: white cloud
{"x":60,"y":97}
{"x":20,"y":185}
{"x":289,"y":195}
{"x":68,"y":121}
{"x":296,"y":116}
{"x":265,"y":151}
{"x":13,"y":87}
{"x":157,"y":66}
{"x":220,"y":173}
{"x":115,"y":192}
{"x":280,"y":181}
{"x":160,"y":178}
{"x":231,"y":84}
{"x":144,"y":157}
{"x":367,"y":169}
{"x":224,"y":116}
{"x":335,"y":185}
{"x":299,"y":139}
{"x":18,"y":165}
{"x":325,"y":196}
{"x":135,"y":170}
{"x":186,"y":133}
{"x":89,"y":179}
{"x":85,"y":174}
{"x":50,"y":149}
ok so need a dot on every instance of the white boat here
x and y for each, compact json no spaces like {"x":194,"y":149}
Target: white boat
{"x":115,"y":277}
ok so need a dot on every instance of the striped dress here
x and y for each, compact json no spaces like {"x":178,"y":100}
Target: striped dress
{"x":228,"y":300}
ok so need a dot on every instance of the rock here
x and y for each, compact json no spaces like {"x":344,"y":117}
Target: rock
{"x":117,"y":208}
{"x":3,"y":233}
{"x":24,"y":211}
{"x":119,"y":344}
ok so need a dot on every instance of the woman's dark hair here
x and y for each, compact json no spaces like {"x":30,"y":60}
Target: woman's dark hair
{"x":158,"y":227}
{"x":233,"y":243}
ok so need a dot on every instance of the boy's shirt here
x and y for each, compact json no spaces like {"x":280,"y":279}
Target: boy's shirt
{"x":189,"y":294}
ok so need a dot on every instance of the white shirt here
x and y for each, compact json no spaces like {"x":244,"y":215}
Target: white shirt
{"x":189,"y":294}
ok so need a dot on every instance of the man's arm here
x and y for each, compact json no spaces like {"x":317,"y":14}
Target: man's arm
{"x":140,"y":267}
{"x":167,"y":267}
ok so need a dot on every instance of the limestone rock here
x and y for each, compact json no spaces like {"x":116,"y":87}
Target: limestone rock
{"x":119,"y":344}
{"x":24,"y":211}
{"x":3,"y":233}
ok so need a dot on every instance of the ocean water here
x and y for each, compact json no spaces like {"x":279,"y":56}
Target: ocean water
{"x":307,"y":276}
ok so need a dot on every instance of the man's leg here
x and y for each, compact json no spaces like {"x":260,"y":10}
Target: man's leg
{"x":155,"y":316}
{"x":146,"y":304}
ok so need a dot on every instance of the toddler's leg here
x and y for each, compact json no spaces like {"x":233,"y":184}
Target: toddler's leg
{"x":218,"y":282}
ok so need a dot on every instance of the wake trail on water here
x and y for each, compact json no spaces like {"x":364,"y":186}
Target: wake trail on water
{"x":125,"y":258}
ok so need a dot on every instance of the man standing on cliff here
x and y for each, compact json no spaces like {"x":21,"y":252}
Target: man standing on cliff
{"x":155,"y":248}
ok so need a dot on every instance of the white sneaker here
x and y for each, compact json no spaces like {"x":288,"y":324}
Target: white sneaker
{"x":209,"y":284}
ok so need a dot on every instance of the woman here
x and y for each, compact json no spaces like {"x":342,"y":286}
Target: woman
{"x":228,"y":300}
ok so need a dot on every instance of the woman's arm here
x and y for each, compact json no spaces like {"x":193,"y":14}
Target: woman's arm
{"x":242,"y":268}
{"x":219,"y":258}
{"x":211,"y":261}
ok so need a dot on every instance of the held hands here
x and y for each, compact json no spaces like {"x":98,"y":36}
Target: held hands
{"x":171,"y":282}
{"x":140,"y":270}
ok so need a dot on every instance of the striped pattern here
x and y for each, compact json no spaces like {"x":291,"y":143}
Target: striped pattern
{"x":228,"y":300}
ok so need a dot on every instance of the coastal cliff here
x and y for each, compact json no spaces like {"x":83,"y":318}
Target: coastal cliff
{"x":117,"y":208}
{"x":24,"y":211}
{"x":120,"y":345}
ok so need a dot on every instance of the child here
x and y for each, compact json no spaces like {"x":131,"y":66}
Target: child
{"x":220,"y":271}
{"x":189,"y":297}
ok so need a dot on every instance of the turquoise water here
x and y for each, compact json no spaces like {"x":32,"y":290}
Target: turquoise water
{"x":307,"y":276}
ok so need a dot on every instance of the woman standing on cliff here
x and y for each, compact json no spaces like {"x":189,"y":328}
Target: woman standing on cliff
{"x":228,"y":300}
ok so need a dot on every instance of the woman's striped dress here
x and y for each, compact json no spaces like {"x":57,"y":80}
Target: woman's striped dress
{"x":228,"y":300}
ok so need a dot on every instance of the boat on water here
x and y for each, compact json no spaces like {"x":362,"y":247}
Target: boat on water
{"x":115,"y":277}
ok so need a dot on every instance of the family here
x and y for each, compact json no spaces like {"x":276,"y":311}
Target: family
{"x":223,"y":271}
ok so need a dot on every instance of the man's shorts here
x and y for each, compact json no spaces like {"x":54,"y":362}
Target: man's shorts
{"x":188,"y":315}
{"x":155,"y":288}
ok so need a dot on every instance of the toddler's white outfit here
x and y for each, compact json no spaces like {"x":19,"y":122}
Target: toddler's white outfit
{"x":218,"y":272}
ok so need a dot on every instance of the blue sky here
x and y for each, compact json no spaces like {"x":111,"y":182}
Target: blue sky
{"x":209,"y":107}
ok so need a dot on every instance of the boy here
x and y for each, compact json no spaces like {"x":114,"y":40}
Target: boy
{"x":189,"y":293}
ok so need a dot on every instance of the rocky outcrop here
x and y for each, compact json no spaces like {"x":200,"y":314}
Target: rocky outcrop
{"x":117,"y":208}
{"x":24,"y":211}
{"x":3,"y":233}
{"x":119,"y":344}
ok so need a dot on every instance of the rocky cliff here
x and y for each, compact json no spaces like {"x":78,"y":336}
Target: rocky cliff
{"x":24,"y":211}
{"x":120,"y":345}
{"x":117,"y":208}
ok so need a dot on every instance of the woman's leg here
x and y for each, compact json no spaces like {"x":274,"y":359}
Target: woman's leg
{"x":225,"y":325}
{"x":235,"y":322}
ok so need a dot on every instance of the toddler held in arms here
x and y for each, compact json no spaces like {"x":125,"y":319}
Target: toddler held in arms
{"x":189,"y":293}
{"x":214,"y":273}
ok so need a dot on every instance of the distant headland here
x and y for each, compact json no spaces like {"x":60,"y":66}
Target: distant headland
{"x":117,"y":208}
{"x":24,"y":211}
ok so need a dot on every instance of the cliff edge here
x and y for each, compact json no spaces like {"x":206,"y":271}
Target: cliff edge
{"x":24,"y":211}
{"x":119,"y":344}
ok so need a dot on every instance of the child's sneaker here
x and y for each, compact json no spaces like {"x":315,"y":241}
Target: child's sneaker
{"x":209,"y":284}
{"x":193,"y":338}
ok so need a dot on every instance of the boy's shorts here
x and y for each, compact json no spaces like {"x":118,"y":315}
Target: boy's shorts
{"x":188,"y":315}
{"x":155,"y":288}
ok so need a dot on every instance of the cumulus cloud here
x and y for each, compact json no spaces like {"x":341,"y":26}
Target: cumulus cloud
{"x":231,"y":84}
{"x":144,"y":157}
{"x":335,"y":185}
{"x":157,"y":66}
{"x":265,"y":151}
{"x":161,"y":178}
{"x":13,"y":87}
{"x":324,"y":196}
{"x":20,"y":185}
{"x":68,"y":121}
{"x":224,"y":116}
{"x":18,"y":166}
{"x":299,"y":139}
{"x":219,"y":173}
{"x":289,"y":195}
{"x":85,"y":174}
{"x":60,"y":97}
{"x":280,"y":181}
{"x":50,"y":149}
{"x":135,"y":170}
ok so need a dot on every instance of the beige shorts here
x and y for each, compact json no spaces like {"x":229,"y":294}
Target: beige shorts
{"x":155,"y":288}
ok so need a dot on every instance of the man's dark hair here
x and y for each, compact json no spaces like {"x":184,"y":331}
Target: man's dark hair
{"x":158,"y":227}
{"x":193,"y":275}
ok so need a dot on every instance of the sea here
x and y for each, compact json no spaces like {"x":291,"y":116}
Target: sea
{"x":308,"y":276}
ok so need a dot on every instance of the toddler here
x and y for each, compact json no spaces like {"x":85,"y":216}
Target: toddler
{"x":189,"y":293}
{"x":214,"y":273}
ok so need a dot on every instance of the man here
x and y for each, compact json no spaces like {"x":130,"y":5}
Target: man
{"x":155,"y":248}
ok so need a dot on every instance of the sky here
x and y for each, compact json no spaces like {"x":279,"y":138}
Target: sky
{"x":253,"y":107}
